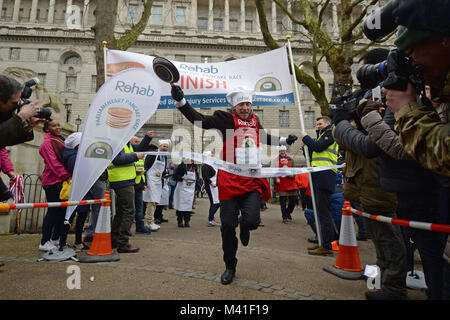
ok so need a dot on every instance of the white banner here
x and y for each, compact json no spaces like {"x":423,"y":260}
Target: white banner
{"x":119,"y":109}
{"x":206,"y":84}
{"x":242,"y":170}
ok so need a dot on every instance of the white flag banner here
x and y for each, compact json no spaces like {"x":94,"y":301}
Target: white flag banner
{"x":206,"y":84}
{"x":119,"y":109}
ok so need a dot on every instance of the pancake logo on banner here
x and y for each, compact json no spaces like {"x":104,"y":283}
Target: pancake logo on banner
{"x":100,"y":150}
{"x":268,"y":84}
{"x":113,"y":68}
{"x":118,"y":118}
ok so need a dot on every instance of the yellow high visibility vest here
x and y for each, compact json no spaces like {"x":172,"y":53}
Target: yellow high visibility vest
{"x":139,"y":167}
{"x":327,"y":157}
{"x":122,"y":173}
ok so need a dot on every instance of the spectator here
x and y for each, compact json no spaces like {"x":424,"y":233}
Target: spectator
{"x":15,"y":127}
{"x":69,"y":156}
{"x":209,"y":175}
{"x":7,"y":168}
{"x":323,"y":152}
{"x":52,"y":178}
{"x":302,"y":183}
{"x":184,"y":192}
{"x":172,"y":183}
{"x":285,"y":186}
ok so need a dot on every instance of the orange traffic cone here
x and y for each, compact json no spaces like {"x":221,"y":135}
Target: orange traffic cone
{"x":348,"y":264}
{"x":101,"y":249}
{"x":335,"y":245}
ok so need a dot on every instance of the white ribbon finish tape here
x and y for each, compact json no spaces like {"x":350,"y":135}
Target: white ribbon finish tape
{"x":242,"y":170}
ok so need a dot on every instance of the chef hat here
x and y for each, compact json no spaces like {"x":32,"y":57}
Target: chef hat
{"x":73,"y":140}
{"x":240,"y":94}
{"x":161,"y":142}
{"x":281,"y":148}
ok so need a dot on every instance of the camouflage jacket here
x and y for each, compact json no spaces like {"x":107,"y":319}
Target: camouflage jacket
{"x":424,"y":136}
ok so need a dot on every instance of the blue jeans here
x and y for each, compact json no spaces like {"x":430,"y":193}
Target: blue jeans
{"x":97,"y":192}
{"x":359,"y":220}
{"x":139,"y":204}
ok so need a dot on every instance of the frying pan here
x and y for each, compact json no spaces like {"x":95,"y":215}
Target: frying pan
{"x":165,"y":70}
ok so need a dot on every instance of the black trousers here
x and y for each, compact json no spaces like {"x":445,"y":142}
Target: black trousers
{"x":323,"y":203}
{"x":54,"y":219}
{"x":183,"y":215}
{"x":248,"y":205}
{"x":287,"y":209}
{"x":303,"y":197}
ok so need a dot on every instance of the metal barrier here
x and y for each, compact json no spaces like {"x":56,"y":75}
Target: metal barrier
{"x":31,"y":219}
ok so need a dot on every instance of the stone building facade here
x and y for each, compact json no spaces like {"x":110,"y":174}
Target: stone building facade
{"x":58,"y":47}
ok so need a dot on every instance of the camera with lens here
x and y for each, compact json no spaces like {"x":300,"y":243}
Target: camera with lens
{"x":44,"y":113}
{"x":394,"y":72}
{"x":347,"y":101}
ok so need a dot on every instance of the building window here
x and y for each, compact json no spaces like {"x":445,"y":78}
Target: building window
{"x":157,"y":15}
{"x":280,"y":27}
{"x":94,"y":83}
{"x":180,"y":18}
{"x":3,"y":14}
{"x":42,"y":77}
{"x":284,"y":118}
{"x":248,"y":25}
{"x":310,"y":120}
{"x":202,"y":24}
{"x":233,"y":25}
{"x":177,"y":117}
{"x":21,"y":16}
{"x":133,"y":13}
{"x":180,"y":57}
{"x":218,"y":25}
{"x":73,"y":60}
{"x":71,"y":83}
{"x":306,"y":93}
{"x":259,"y":113}
{"x":42,"y":54}
{"x":206,"y":59}
{"x":14,"y":54}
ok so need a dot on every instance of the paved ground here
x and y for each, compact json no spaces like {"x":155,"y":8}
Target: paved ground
{"x":186,"y":264}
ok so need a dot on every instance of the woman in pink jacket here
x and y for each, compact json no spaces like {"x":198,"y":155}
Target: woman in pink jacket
{"x":7,"y":168}
{"x":52,"y":178}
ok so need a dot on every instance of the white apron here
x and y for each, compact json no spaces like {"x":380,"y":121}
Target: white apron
{"x":183,"y":196}
{"x":154,"y":182}
{"x":214,"y":191}
{"x":165,"y":194}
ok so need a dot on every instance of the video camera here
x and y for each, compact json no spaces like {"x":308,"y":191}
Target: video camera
{"x":347,"y":101}
{"x":44,"y":113}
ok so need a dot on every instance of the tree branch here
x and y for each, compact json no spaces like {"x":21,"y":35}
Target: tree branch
{"x":124,"y":42}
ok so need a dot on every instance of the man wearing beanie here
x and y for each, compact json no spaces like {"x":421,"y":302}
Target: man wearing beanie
{"x":240,"y":130}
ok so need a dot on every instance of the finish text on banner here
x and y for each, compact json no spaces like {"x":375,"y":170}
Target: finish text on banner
{"x":206,"y":84}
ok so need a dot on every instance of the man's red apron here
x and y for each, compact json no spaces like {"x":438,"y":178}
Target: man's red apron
{"x":241,"y":148}
{"x":286,"y":183}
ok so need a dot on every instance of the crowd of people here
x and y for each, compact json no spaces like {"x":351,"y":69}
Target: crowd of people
{"x":395,"y":156}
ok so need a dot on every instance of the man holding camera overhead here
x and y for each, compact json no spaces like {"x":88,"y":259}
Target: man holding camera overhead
{"x":15,"y":128}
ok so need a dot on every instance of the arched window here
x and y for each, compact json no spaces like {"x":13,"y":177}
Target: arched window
{"x":72,"y":59}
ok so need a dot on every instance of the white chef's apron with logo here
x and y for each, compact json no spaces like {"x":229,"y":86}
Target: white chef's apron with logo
{"x":214,"y":191}
{"x":183,"y":196}
{"x":165,"y":194}
{"x":154,"y":182}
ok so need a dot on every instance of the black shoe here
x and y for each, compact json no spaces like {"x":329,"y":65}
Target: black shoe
{"x":187,"y":225}
{"x":382,"y":295}
{"x":180,"y":225}
{"x":157,"y":221}
{"x":244,"y":235}
{"x":164,"y":220}
{"x":127,"y":249}
{"x":313,"y":240}
{"x":227,"y":276}
{"x":1,"y":264}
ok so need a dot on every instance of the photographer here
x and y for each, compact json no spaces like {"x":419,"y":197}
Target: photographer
{"x":15,"y":128}
{"x":362,"y":186}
